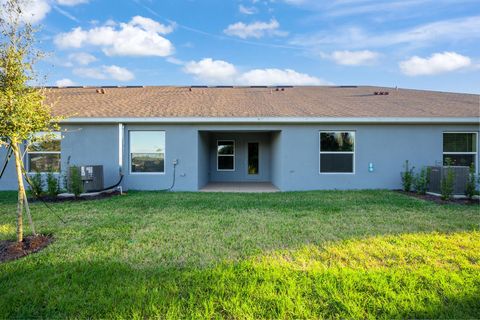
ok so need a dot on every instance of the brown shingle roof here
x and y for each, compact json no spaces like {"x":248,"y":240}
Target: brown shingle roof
{"x":260,"y":102}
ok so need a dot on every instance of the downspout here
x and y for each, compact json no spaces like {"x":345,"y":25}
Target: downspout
{"x":121,"y":139}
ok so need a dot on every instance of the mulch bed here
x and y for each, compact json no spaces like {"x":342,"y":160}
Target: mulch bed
{"x":438,"y":200}
{"x":65,"y":199}
{"x":11,"y":250}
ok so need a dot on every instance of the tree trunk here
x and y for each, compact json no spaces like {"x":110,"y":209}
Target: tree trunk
{"x":21,"y":190}
{"x":29,"y":215}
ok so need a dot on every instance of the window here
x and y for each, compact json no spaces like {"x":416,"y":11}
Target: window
{"x":44,"y":155}
{"x":147,"y":151}
{"x":225,"y":155}
{"x":337,"y":151}
{"x":460,"y":148}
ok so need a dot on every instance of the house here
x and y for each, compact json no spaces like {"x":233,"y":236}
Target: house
{"x":296,"y":138}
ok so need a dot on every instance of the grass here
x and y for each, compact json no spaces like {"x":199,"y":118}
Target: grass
{"x":334,"y":254}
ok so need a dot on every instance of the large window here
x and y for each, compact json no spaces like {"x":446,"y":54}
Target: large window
{"x":43,"y":155}
{"x":225,"y":155}
{"x":147,"y":151}
{"x":337,"y":151}
{"x":460,"y":148}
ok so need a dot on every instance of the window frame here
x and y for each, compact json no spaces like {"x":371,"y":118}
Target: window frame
{"x":28,"y":153}
{"x":475,"y":153}
{"x":227,"y":155}
{"x":336,"y":152}
{"x":130,"y":154}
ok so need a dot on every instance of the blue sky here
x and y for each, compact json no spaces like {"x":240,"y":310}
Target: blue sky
{"x":425,"y":44}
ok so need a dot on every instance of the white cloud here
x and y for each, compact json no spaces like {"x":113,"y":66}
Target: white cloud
{"x":247,"y":10}
{"x":82,"y":58}
{"x":66,"y":14}
{"x":105,"y":73}
{"x":174,"y":60}
{"x":139,"y":37}
{"x":422,"y":35}
{"x":71,"y":2}
{"x":222,"y":72}
{"x":64,"y":83}
{"x":211,"y":71}
{"x":354,"y":58}
{"x":393,"y":8}
{"x":272,"y":77}
{"x":118,"y":73}
{"x":90,"y":73}
{"x":435,"y":64}
{"x":256,"y":29}
{"x":151,"y":25}
{"x":34,"y":11}
{"x":296,"y":2}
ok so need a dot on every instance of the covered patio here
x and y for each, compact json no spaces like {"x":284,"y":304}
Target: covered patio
{"x":237,"y":160}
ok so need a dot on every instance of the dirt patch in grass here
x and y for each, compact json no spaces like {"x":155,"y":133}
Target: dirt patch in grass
{"x":104,"y":195}
{"x":11,"y":250}
{"x":439,"y":200}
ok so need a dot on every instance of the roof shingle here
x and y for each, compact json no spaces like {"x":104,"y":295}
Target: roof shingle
{"x":160,"y":102}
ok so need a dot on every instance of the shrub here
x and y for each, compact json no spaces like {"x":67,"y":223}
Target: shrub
{"x":53,"y":187}
{"x":36,"y":184}
{"x":447,"y":183}
{"x":471,"y":187}
{"x":421,"y":181}
{"x":407,"y":177}
{"x":75,"y":184}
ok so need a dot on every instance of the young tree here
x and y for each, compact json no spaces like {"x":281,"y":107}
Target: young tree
{"x":23,"y":108}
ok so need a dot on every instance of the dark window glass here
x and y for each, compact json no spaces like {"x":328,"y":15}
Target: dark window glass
{"x":338,"y":163}
{"x":44,"y":162}
{"x":337,"y":141}
{"x":225,"y":147}
{"x":253,"y":158}
{"x":459,"y":142}
{"x":225,"y":162}
{"x":148,"y":162}
{"x":459,"y":159}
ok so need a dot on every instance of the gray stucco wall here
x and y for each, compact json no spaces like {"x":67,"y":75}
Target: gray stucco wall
{"x":293,"y":151}
{"x":92,"y":145}
{"x":386,"y":146}
{"x":181,"y":143}
{"x":9,"y":180}
{"x":203,"y":158}
{"x":276,"y":170}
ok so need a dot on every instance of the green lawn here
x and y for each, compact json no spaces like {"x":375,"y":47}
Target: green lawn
{"x":355,"y":254}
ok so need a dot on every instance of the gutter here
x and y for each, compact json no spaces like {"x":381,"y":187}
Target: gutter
{"x":277,"y":120}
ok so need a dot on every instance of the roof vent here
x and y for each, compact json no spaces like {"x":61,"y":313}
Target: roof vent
{"x":381,"y":93}
{"x":101,"y":91}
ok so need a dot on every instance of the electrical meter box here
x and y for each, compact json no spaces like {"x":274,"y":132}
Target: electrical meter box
{"x":92,"y":178}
